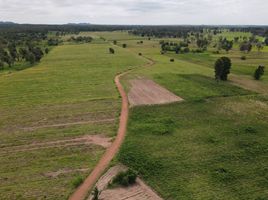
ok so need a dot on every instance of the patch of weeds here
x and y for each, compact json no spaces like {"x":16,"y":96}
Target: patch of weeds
{"x":95,"y":194}
{"x":224,"y":175}
{"x":164,"y":126}
{"x":251,"y":130}
{"x":125,"y":179}
{"x":212,"y":139}
{"x":77,"y":181}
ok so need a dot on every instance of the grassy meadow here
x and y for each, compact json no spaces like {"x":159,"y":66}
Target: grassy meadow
{"x":211,"y":146}
{"x":68,"y":95}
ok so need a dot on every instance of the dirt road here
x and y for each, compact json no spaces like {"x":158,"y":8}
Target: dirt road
{"x":82,"y":191}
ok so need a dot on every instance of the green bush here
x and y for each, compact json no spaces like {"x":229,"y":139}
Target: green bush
{"x":126,"y":178}
{"x":77,"y":181}
{"x":243,"y":57}
{"x":259,"y":72}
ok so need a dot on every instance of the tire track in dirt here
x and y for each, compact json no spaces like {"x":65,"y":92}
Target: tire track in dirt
{"x":82,"y":191}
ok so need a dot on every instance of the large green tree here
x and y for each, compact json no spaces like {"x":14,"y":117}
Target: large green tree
{"x":222,"y":68}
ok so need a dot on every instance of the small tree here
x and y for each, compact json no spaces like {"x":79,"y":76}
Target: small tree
{"x":222,"y":68}
{"x":266,"y":41}
{"x":30,"y":58}
{"x":259,"y":72}
{"x":259,"y":46}
{"x":1,"y":65}
{"x":111,"y":50}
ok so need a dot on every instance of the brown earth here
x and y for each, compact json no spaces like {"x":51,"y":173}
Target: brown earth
{"x":249,"y":84}
{"x":139,"y":191}
{"x":147,"y":92}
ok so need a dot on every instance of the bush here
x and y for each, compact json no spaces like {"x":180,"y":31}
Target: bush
{"x":243,"y":57}
{"x":111,"y":50}
{"x":1,"y":65}
{"x":172,"y":60}
{"x":259,"y":72}
{"x":77,"y":181}
{"x":125,"y":178}
{"x":124,"y":45}
{"x":140,"y":54}
{"x":96,"y":194}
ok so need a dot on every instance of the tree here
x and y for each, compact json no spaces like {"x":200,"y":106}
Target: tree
{"x":111,"y":50}
{"x":202,"y":43}
{"x":259,"y":72}
{"x":46,"y":50}
{"x":266,"y":41}
{"x":246,"y":47}
{"x":38,"y":53}
{"x":115,"y":42}
{"x":226,"y":45}
{"x":222,"y":68}
{"x":23,"y":53}
{"x":259,"y":46}
{"x":1,"y":65}
{"x":30,"y":58}
{"x":124,"y":45}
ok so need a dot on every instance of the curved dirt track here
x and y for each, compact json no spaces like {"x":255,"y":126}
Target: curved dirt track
{"x":82,"y":191}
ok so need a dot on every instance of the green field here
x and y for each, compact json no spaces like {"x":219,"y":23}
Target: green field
{"x":73,"y":84}
{"x":212,"y":146}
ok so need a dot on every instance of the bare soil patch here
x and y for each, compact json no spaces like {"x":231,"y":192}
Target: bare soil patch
{"x":69,"y":124}
{"x":248,"y":84}
{"x":64,"y":171}
{"x":85,"y":140}
{"x":147,"y":92}
{"x":139,"y":191}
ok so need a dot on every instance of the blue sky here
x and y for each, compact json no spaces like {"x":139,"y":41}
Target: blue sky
{"x":136,"y":11}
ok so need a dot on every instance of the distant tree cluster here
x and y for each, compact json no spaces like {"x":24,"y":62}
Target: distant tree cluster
{"x":26,"y":46}
{"x":81,"y":39}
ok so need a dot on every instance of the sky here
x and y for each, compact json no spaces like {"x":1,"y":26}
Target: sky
{"x":142,"y":12}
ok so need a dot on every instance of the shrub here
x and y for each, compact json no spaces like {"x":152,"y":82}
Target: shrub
{"x":171,"y":59}
{"x":259,"y":72}
{"x":111,"y":50}
{"x":124,"y":45}
{"x":115,"y":42}
{"x":243,"y":58}
{"x":140,"y":54}
{"x":125,"y":178}
{"x":1,"y":65}
{"x":96,"y":194}
{"x":77,"y":181}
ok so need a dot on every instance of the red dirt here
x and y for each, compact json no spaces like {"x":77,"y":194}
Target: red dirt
{"x":82,"y":191}
{"x":147,"y":92}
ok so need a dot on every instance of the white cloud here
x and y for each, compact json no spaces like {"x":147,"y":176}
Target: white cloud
{"x":135,"y":11}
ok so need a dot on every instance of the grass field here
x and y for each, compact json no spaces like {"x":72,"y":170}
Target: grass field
{"x":69,"y":95}
{"x":211,"y":146}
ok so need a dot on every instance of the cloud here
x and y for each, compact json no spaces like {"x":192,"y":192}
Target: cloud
{"x":135,"y":11}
